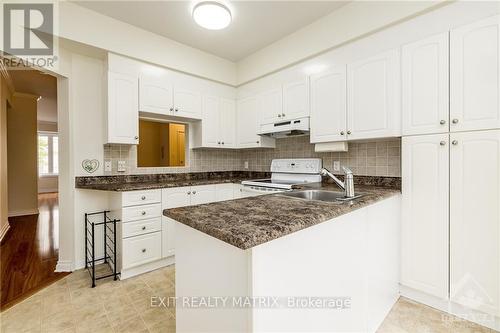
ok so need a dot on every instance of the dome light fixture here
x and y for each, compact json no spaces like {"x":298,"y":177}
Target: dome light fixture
{"x":212,"y":15}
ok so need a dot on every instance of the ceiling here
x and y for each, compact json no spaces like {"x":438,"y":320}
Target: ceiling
{"x":255,"y":25}
{"x":39,"y":84}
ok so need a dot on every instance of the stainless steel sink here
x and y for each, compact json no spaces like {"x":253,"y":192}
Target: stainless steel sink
{"x":320,"y":195}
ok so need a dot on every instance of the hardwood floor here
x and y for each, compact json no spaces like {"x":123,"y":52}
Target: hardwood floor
{"x":29,"y":252}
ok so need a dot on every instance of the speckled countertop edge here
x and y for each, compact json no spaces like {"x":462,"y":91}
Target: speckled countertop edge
{"x":249,"y":222}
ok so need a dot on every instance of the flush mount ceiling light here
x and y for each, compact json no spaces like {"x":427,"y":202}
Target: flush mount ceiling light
{"x":211,"y":15}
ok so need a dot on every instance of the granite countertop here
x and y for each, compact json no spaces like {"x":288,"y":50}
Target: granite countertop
{"x":252,"y":221}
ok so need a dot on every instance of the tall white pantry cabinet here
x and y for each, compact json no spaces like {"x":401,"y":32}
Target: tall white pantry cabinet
{"x":451,"y":169}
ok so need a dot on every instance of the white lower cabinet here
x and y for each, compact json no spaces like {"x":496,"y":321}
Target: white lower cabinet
{"x":425,"y":214}
{"x":471,"y":162}
{"x":202,"y":194}
{"x":141,"y":249}
{"x":224,"y":192}
{"x":475,"y":220}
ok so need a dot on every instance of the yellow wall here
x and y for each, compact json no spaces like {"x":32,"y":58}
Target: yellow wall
{"x":22,"y":155}
{"x":5,"y":96}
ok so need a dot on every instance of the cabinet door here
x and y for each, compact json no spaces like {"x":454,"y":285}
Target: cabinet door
{"x":328,"y":106}
{"x":123,"y":109}
{"x":175,"y":197}
{"x":270,"y":105}
{"x":224,"y":192}
{"x":187,"y":103}
{"x":296,"y":99}
{"x":202,"y":194}
{"x":247,"y":118}
{"x":227,"y":123}
{"x":167,"y":237}
{"x":155,"y":95}
{"x":373,"y":109}
{"x":475,"y":220}
{"x":425,"y":86}
{"x":475,"y":76}
{"x":425,"y":188}
{"x":210,"y":122}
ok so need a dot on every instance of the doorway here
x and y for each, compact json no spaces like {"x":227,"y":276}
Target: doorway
{"x":29,"y":250}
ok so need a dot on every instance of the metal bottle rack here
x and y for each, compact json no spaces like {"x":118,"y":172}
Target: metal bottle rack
{"x":109,"y":232}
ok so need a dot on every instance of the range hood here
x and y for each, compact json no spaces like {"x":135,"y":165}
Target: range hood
{"x":285,"y":129}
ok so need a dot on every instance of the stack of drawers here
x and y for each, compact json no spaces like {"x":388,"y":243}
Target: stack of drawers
{"x":140,"y":213}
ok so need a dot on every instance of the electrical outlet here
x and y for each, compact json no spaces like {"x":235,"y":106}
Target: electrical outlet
{"x":107,"y":166}
{"x":122,"y":166}
{"x":246,"y":164}
{"x":336,"y":165}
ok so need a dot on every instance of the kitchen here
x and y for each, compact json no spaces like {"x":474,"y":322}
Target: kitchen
{"x":369,"y":171}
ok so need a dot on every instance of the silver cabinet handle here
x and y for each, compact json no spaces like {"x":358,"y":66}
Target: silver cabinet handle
{"x":136,"y":137}
{"x":454,"y":142}
{"x":143,"y":228}
{"x":348,"y":132}
{"x":189,"y":193}
{"x":176,"y":110}
{"x":218,"y":142}
{"x":342,"y":133}
{"x":143,"y":197}
{"x":442,"y":143}
{"x":171,"y":109}
{"x":143,"y":213}
{"x":282,"y":114}
{"x":194,"y":192}
{"x":279,"y":116}
{"x":257,"y":141}
{"x":455,"y":121}
{"x":442,"y":122}
{"x":143,"y":250}
{"x":222,"y":142}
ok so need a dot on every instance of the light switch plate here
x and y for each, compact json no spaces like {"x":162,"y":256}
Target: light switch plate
{"x":107,"y":166}
{"x":122,"y":167}
{"x":336,"y":165}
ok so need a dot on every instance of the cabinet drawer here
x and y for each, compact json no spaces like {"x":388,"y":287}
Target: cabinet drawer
{"x":142,"y":249}
{"x":141,"y":212}
{"x":141,"y":227}
{"x":134,"y":198}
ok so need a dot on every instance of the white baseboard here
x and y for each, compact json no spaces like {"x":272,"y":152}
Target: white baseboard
{"x":4,"y":230}
{"x":130,"y":272}
{"x":24,"y":212}
{"x":64,"y":266}
{"x":447,"y":306}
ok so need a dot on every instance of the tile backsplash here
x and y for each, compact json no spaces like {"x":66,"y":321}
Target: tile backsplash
{"x":370,"y":158}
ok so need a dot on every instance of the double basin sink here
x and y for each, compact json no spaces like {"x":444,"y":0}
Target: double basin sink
{"x":321,"y":195}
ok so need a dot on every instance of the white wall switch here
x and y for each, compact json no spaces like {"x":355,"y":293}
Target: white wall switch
{"x":246,"y":164}
{"x":122,"y":167}
{"x":336,"y":165}
{"x":107,"y":166}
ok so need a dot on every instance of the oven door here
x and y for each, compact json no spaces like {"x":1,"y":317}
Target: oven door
{"x":252,"y":191}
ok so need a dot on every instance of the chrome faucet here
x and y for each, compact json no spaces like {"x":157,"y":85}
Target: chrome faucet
{"x":347,"y":185}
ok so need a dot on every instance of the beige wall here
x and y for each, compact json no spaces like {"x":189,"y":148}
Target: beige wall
{"x":4,"y":98}
{"x":22,"y":155}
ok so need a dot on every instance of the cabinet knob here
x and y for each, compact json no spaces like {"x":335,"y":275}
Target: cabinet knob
{"x":143,"y":213}
{"x":342,"y":133}
{"x":176,"y":110}
{"x":222,"y":142}
{"x":136,"y":137}
{"x":194,"y":192}
{"x":218,"y":142}
{"x":143,"y":250}
{"x":189,"y":192}
{"x":143,"y":228}
{"x":454,"y":142}
{"x":348,"y":132}
{"x":171,"y":109}
{"x":282,"y":114}
{"x":455,"y":121}
{"x":442,"y":143}
{"x":257,"y":141}
{"x":442,"y":122}
{"x":279,"y":116}
{"x":143,"y":197}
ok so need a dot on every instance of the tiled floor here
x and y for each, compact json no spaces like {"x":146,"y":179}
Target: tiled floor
{"x":70,"y":305}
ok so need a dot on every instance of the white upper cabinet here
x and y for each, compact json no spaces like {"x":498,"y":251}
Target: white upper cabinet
{"x":475,"y":76}
{"x":475,"y":220}
{"x":373,"y":103}
{"x":424,"y":230}
{"x":187,"y":103}
{"x":210,"y":121}
{"x":155,"y":95}
{"x":227,"y":122}
{"x":123,"y":109}
{"x":270,"y":105}
{"x":296,"y":99}
{"x":425,"y":86}
{"x":328,"y":106}
{"x":247,"y":119}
